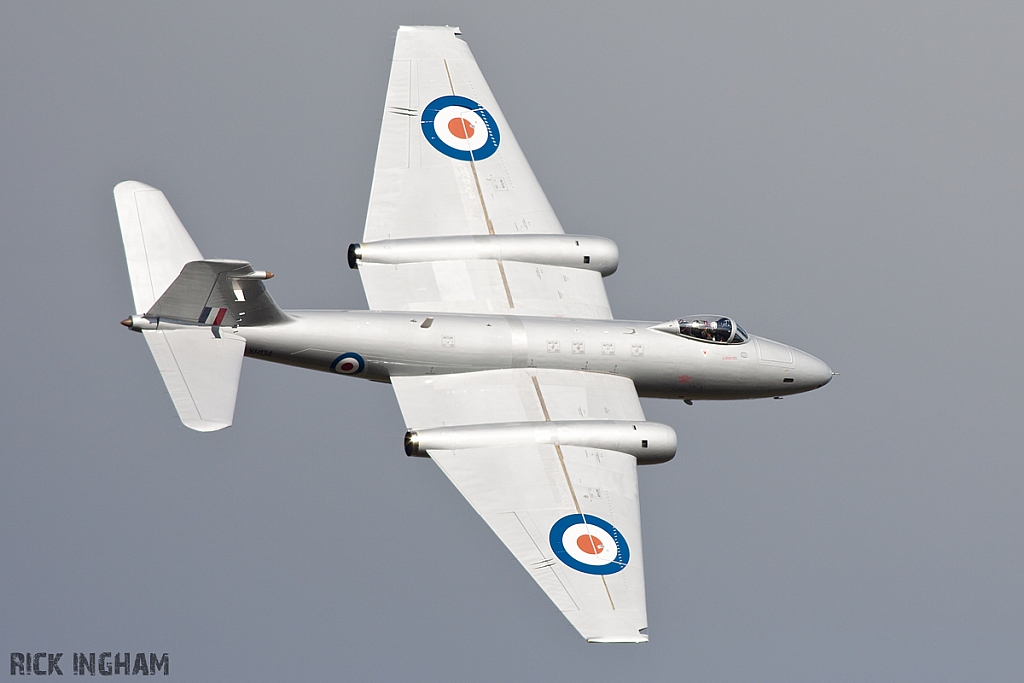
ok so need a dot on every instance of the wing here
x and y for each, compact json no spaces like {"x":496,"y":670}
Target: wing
{"x":448,"y":165}
{"x":569,"y":513}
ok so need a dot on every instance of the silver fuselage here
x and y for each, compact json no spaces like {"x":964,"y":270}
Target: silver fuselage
{"x":660,"y":364}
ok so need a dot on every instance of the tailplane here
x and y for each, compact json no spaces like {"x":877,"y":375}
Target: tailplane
{"x":156,"y":244}
{"x":201,"y":374}
{"x":187,"y":307}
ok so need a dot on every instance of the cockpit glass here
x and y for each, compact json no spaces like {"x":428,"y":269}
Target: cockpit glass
{"x":712,"y":328}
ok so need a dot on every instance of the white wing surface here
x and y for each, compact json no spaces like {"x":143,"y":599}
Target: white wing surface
{"x":448,"y":164}
{"x":570,"y":514}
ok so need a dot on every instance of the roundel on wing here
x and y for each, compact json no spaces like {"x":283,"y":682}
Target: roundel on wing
{"x":348,"y":364}
{"x":589,"y":544}
{"x":460,"y":128}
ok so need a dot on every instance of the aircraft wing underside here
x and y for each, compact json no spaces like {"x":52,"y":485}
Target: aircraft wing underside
{"x":570,"y":514}
{"x":449,"y":167}
{"x":448,"y":164}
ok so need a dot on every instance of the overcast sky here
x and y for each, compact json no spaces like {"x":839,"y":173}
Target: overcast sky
{"x":847,"y":179}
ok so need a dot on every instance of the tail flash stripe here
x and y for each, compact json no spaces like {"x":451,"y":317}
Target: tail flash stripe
{"x":220,"y":316}
{"x":204,"y":315}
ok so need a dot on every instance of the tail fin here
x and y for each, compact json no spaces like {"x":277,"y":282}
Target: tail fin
{"x":218,"y":292}
{"x":187,"y":305}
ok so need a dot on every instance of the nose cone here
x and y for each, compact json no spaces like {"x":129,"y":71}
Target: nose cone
{"x":811,"y":372}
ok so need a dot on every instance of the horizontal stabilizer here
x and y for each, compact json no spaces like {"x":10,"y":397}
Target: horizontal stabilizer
{"x":156,"y":244}
{"x":200,"y":370}
{"x":186,"y":305}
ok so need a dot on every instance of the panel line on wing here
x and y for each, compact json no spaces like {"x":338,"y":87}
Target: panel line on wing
{"x":449,"y":73}
{"x":504,"y":281}
{"x":490,"y":227}
{"x":558,"y":448}
{"x":483,"y":204}
{"x":568,"y":481}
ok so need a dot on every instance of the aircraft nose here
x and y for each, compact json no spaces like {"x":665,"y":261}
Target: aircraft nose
{"x":812,"y":372}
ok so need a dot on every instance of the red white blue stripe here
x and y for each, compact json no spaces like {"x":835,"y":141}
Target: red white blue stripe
{"x":213,"y":316}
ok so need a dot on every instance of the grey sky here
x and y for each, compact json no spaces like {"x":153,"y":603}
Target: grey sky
{"x":845,"y":179}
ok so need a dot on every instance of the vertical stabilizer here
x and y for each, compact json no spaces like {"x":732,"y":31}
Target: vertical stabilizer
{"x":155,"y":242}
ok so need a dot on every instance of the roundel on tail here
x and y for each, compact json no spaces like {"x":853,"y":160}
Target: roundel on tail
{"x":460,"y":128}
{"x":589,"y":544}
{"x":348,"y":364}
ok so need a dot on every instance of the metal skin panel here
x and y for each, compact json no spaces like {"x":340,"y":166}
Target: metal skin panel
{"x":477,"y":287}
{"x":659,"y":364}
{"x":511,"y":395}
{"x":773,"y":353}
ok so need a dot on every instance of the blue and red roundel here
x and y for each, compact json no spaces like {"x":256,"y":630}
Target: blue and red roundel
{"x":348,"y":364}
{"x":460,"y":128}
{"x":589,"y":544}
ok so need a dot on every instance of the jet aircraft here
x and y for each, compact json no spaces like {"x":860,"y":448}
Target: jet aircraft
{"x":491,"y":324}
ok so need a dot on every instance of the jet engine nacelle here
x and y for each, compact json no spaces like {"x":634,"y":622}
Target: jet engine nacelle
{"x":649,"y":442}
{"x":571,"y":251}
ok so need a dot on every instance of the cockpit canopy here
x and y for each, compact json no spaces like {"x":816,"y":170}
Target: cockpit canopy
{"x":710,"y":328}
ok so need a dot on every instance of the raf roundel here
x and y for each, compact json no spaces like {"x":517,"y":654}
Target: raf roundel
{"x":348,"y":364}
{"x":460,"y":128}
{"x":589,"y":544}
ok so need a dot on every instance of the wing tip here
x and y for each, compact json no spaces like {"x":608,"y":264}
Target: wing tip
{"x":632,"y":639}
{"x":453,"y":29}
{"x":127,"y":186}
{"x":206,"y":425}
